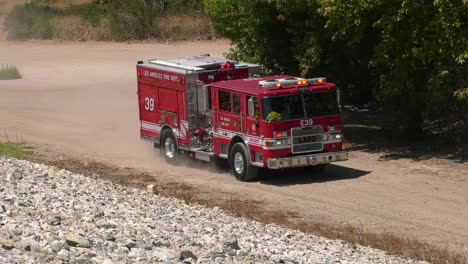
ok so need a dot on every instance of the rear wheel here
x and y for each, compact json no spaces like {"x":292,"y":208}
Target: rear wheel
{"x":169,"y":147}
{"x":241,"y":167}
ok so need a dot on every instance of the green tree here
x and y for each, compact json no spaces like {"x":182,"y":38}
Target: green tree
{"x":419,"y":58}
{"x":409,"y":55}
{"x":256,"y":29}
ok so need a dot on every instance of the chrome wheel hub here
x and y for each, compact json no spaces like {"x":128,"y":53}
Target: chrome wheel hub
{"x":238,"y":163}
{"x":169,"y":147}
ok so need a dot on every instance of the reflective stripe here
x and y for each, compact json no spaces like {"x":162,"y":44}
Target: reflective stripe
{"x":153,"y":127}
{"x":150,"y":126}
{"x":227,"y":134}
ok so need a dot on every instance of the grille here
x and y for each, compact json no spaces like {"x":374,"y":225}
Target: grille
{"x":307,"y":139}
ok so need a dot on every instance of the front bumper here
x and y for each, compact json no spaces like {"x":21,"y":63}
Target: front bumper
{"x":307,"y":160}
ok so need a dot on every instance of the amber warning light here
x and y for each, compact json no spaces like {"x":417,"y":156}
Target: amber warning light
{"x":290,"y":82}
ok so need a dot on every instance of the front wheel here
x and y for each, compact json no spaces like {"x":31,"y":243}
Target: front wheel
{"x":169,"y":147}
{"x":241,"y":167}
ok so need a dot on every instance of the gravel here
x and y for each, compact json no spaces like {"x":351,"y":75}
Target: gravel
{"x":48,"y":215}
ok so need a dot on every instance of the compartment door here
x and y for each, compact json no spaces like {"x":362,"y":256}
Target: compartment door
{"x":148,"y":107}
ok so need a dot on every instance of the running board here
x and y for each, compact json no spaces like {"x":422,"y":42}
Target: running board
{"x":202,"y":155}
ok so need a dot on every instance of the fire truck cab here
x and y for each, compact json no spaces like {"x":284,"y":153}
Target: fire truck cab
{"x":193,"y":106}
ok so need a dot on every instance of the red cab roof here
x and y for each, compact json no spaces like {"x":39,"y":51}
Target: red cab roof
{"x":252,"y":86}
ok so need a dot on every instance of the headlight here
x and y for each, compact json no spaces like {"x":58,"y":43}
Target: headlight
{"x":281,"y":142}
{"x":277,"y":142}
{"x":332,"y":136}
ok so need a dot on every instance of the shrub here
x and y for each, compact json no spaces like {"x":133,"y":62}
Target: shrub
{"x":408,"y":56}
{"x":91,"y":12}
{"x":15,"y":150}
{"x":134,"y":19}
{"x":119,"y":20}
{"x":29,"y":21}
{"x":9,"y":73}
{"x":72,"y":28}
{"x":44,"y":20}
{"x":184,"y":26}
{"x":2,"y":8}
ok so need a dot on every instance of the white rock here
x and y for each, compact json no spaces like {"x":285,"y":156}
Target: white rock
{"x":152,"y":189}
{"x":77,"y":240}
{"x":44,"y":211}
{"x":107,"y":261}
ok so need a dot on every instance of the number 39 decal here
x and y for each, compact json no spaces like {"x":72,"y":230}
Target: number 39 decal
{"x":307,"y":122}
{"x":149,"y":104}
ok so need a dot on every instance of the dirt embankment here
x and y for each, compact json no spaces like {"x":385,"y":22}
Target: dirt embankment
{"x":85,"y":20}
{"x":7,"y":6}
{"x":80,"y":99}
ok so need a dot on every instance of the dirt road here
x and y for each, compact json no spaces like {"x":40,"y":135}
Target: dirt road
{"x":80,"y":98}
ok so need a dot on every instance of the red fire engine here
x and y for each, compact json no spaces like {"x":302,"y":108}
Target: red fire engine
{"x":190,"y":105}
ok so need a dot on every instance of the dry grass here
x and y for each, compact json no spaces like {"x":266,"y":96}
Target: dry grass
{"x":75,"y":28}
{"x":256,"y":210}
{"x":83,"y":20}
{"x":2,"y":8}
{"x":14,"y":149}
{"x":63,"y":4}
{"x":184,"y":26}
{"x":9,"y":72}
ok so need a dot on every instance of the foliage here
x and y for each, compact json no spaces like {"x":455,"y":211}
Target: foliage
{"x":9,"y":73}
{"x":253,"y":26}
{"x":35,"y":20}
{"x":15,"y":150}
{"x":409,"y":56}
{"x":29,"y":21}
{"x":134,"y":19}
{"x":2,"y":8}
{"x":461,"y":94}
{"x":91,"y":12}
{"x":273,"y":116}
{"x":419,"y":57}
{"x":106,"y":19}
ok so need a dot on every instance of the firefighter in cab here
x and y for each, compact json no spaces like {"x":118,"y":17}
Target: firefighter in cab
{"x":228,"y":69}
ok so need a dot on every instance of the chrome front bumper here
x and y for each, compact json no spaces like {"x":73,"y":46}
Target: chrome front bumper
{"x":307,"y":160}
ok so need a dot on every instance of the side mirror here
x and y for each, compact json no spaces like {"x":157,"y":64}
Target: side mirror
{"x":251,"y":107}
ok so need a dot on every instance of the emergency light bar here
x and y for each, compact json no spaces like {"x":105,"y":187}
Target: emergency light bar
{"x":317,"y":80}
{"x":293,"y":81}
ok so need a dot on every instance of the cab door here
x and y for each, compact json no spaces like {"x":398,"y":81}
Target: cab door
{"x":238,"y":115}
{"x":226,"y":119}
{"x":251,"y":116}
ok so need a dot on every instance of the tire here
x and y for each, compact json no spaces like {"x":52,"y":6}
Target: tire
{"x":169,"y":147}
{"x":240,"y":163}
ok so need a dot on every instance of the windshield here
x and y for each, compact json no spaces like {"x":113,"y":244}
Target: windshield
{"x":281,"y":108}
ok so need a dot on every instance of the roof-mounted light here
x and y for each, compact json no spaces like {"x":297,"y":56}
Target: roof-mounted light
{"x":286,"y":82}
{"x":319,"y":80}
{"x":268,"y":83}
